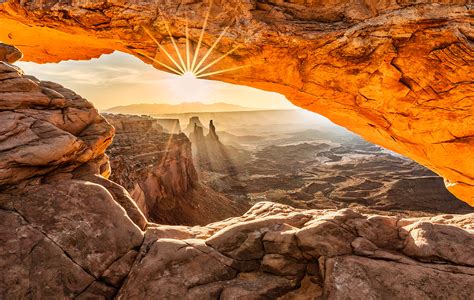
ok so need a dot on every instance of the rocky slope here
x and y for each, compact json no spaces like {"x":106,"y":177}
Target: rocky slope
{"x":397,"y":73}
{"x":67,"y":232}
{"x":157,"y":169}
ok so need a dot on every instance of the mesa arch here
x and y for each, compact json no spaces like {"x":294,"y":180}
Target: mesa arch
{"x":397,"y":73}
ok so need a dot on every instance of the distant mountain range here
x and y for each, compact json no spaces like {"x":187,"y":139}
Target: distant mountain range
{"x":192,"y":107}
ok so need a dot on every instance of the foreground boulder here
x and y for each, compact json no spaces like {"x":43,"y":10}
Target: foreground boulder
{"x":276,"y":251}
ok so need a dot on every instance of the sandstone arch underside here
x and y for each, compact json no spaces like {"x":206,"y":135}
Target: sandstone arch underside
{"x":398,"y":73}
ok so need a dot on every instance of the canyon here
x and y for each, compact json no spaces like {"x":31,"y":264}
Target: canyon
{"x":396,"y":73}
{"x":73,"y":224}
{"x":309,"y":163}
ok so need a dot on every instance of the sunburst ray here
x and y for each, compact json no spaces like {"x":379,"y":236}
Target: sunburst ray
{"x":198,"y":47}
{"x":160,"y":63}
{"x":192,"y":64}
{"x":221,"y":71}
{"x":209,"y":51}
{"x":176,"y":49}
{"x":217,"y":60}
{"x":188,"y":52}
{"x":163,"y":49}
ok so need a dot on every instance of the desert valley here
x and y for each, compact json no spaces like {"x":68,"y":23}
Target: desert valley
{"x":290,"y":157}
{"x":336,"y":162}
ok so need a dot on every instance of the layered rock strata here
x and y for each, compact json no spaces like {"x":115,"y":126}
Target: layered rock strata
{"x":65,"y":230}
{"x":157,"y":169}
{"x":397,"y":73}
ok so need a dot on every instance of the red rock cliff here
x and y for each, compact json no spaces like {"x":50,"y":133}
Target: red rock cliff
{"x":157,"y":169}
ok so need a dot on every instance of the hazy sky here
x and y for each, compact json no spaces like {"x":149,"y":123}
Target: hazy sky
{"x":121,"y":79}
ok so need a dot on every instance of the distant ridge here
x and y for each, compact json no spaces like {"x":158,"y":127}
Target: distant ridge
{"x":192,"y":107}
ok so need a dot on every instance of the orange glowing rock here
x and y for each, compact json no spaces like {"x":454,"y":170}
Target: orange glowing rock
{"x":399,"y":76}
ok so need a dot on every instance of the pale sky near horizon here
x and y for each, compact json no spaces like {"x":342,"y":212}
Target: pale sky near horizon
{"x":122,"y":79}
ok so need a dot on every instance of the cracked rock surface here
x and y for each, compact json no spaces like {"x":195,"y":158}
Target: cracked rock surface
{"x":65,"y":231}
{"x":276,"y":251}
{"x":398,"y":73}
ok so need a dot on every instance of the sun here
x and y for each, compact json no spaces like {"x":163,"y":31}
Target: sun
{"x":191,"y":66}
{"x":188,"y":88}
{"x":189,"y":76}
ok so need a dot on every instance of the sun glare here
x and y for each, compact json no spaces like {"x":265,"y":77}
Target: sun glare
{"x":192,"y":66}
{"x":189,"y":88}
{"x":189,"y":75}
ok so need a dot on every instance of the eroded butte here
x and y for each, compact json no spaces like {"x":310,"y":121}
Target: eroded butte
{"x":400,"y":75}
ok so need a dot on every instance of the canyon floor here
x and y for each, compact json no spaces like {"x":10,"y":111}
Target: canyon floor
{"x":311,"y":163}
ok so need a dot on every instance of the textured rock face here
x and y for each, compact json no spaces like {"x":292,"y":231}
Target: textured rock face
{"x":275,"y":251}
{"x":157,"y":169}
{"x":397,"y":73}
{"x":61,"y":235}
{"x":143,"y":141}
{"x":9,"y":54}
{"x":47,"y":129}
{"x":62,"y":240}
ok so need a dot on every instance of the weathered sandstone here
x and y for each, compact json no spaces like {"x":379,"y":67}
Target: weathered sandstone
{"x":158,"y":171}
{"x":275,"y":251}
{"x":61,"y":234}
{"x":396,"y":73}
{"x":9,"y":54}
